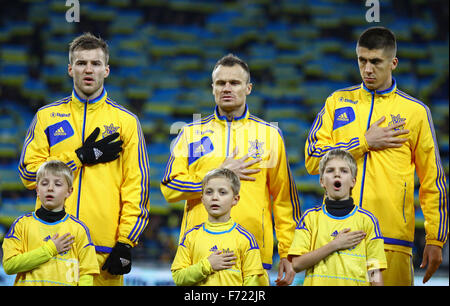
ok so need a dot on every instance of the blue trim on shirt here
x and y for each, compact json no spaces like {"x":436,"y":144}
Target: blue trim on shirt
{"x":405,"y":243}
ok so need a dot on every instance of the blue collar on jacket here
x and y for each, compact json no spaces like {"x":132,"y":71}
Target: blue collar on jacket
{"x":90,"y":101}
{"x":382,"y":92}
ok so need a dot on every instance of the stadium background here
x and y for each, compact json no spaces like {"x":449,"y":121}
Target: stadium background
{"x":162,"y":54}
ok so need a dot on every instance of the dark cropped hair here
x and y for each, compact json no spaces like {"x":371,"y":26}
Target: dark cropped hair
{"x":87,"y":41}
{"x":230,"y":60}
{"x":378,"y":38}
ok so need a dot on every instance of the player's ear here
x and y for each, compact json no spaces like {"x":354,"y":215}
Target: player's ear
{"x":106,"y":71}
{"x":236,"y":199}
{"x":394,"y":63}
{"x":69,"y":192}
{"x":249,"y":88}
{"x":69,"y":70}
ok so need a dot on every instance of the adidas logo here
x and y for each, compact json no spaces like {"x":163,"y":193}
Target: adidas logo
{"x":59,"y":132}
{"x":47,"y":238}
{"x":342,"y":117}
{"x":334,"y":234}
{"x":200,"y":149}
{"x":213,"y":249}
{"x":97,"y":153}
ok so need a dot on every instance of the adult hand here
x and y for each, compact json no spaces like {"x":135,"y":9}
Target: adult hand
{"x":119,"y":260}
{"x":105,"y":150}
{"x":240,"y":166}
{"x":285,"y":267}
{"x":379,"y":138}
{"x":432,"y":256}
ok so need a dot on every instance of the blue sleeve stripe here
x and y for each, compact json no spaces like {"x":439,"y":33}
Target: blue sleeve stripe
{"x":143,"y":218}
{"x":249,"y":236}
{"x":11,"y":232}
{"x":301,"y":223}
{"x":202,"y":121}
{"x":312,"y":138}
{"x":440,"y":175}
{"x":319,"y":152}
{"x":23,"y":172}
{"x":188,"y":183}
{"x":192,"y":229}
{"x":168,"y":170}
{"x":86,"y":229}
{"x":181,"y":188}
{"x":374,"y":221}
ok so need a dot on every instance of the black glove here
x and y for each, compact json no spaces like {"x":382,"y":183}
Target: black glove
{"x":119,"y":261}
{"x":93,"y":152}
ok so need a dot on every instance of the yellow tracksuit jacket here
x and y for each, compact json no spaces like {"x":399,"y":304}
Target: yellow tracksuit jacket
{"x":385,"y":180}
{"x":110,"y":198}
{"x":204,"y":145}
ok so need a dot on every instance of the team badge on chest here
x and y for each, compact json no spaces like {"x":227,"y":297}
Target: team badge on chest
{"x":256,"y":148}
{"x":109,"y":129}
{"x":397,"y":119}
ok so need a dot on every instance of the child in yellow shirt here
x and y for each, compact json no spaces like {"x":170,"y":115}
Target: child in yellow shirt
{"x":49,"y":247}
{"x":218,"y":252}
{"x":338,"y":243}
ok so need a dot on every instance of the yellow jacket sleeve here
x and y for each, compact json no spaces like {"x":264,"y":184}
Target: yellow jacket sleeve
{"x":178,"y":183}
{"x":135,"y":188}
{"x":320,"y":139}
{"x":30,"y":260}
{"x":433,"y":191}
{"x":286,"y":206}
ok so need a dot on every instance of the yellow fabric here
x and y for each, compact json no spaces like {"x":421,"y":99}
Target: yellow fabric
{"x":401,"y":271}
{"x":105,"y":278}
{"x":385,"y":180}
{"x":110,"y":198}
{"x":204,"y":145}
{"x":29,"y":237}
{"x":86,"y":280}
{"x":30,"y":260}
{"x":191,"y":265}
{"x":345,"y":267}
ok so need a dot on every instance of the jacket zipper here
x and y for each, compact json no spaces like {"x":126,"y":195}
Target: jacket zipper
{"x":404,"y":203}
{"x":228,"y":138}
{"x":365,"y":155}
{"x":82,"y":168}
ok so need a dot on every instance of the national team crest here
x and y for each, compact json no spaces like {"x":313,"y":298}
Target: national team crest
{"x":397,"y":119}
{"x":109,"y":129}
{"x":256,"y":148}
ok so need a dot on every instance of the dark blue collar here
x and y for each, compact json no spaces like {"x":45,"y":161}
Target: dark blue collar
{"x":90,"y":101}
{"x":382,"y":92}
{"x":216,"y":111}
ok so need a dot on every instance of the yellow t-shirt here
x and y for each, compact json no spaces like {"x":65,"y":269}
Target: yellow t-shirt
{"x":345,"y":267}
{"x":29,"y":233}
{"x":191,"y":267}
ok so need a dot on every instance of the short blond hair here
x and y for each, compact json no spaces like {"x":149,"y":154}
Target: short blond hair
{"x":57,"y":168}
{"x":224,"y":173}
